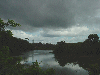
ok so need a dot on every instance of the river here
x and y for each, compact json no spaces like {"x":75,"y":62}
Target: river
{"x":48,"y":61}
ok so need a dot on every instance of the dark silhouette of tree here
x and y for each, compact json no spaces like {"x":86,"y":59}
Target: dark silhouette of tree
{"x":6,"y":34}
{"x":93,"y":38}
{"x":16,"y":45}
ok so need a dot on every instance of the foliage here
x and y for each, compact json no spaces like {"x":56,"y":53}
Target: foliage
{"x":35,"y":69}
{"x":16,"y":45}
{"x":10,"y":22}
{"x":6,"y":34}
{"x":11,"y":65}
{"x":5,"y":58}
{"x":92,"y":38}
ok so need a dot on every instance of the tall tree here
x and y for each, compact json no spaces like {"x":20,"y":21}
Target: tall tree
{"x":6,"y":34}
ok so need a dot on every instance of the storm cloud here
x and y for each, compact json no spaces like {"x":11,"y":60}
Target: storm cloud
{"x":50,"y":13}
{"x":55,"y":17}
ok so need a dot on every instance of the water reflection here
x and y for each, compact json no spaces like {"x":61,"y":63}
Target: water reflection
{"x":89,"y":63}
{"x":63,"y":64}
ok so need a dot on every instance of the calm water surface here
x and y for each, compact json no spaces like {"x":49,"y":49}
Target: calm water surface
{"x":48,"y":61}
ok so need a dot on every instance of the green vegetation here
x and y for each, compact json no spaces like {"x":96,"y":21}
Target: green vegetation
{"x":16,"y":45}
{"x":11,"y":65}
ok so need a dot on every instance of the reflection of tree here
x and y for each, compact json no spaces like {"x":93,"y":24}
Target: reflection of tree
{"x":63,"y":59}
{"x":91,"y":64}
{"x":60,"y":60}
{"x":25,"y":59}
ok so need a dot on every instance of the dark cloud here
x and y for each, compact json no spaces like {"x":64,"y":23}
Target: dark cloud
{"x":34,"y":14}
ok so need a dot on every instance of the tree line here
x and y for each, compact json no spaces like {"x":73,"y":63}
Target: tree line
{"x":90,"y":46}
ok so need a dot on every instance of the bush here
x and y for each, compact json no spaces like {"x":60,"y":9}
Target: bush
{"x":35,"y":69}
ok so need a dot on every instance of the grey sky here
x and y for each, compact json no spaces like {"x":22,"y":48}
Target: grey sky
{"x":51,"y":14}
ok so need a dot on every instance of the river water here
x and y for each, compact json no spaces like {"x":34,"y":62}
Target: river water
{"x":48,"y":61}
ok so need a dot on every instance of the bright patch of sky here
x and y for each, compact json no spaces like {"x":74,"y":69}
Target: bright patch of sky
{"x":67,"y":35}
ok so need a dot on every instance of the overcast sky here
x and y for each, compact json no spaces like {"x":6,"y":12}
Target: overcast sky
{"x":52,"y":21}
